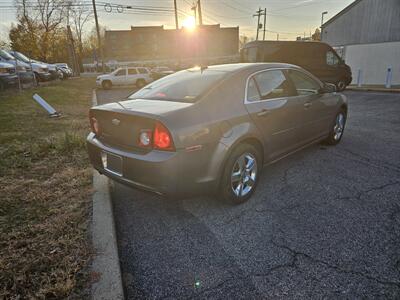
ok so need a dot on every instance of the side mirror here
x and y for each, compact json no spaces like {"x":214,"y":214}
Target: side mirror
{"x":328,"y":88}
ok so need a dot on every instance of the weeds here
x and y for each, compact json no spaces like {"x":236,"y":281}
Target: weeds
{"x":45,"y":184}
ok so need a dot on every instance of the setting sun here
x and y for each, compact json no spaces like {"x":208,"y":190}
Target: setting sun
{"x":189,"y":23}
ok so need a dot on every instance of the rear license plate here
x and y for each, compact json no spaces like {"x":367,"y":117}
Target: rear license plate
{"x":112,"y":163}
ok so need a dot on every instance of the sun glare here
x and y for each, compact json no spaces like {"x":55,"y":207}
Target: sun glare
{"x":189,"y":23}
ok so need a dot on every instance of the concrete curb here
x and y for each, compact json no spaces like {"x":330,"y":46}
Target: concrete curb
{"x":106,"y":261}
{"x":372,"y":89}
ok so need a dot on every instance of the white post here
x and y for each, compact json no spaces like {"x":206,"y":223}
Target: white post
{"x":359,"y":78}
{"x":389,"y":78}
{"x":45,"y":105}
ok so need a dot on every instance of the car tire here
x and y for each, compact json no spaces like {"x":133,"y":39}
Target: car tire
{"x":106,"y":84}
{"x":35,"y":81}
{"x":37,"y":78}
{"x":341,"y":85}
{"x":337,"y":128}
{"x":140,"y":83}
{"x":241,"y":174}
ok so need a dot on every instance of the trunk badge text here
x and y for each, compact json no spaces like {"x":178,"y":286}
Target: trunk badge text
{"x":115,"y":122}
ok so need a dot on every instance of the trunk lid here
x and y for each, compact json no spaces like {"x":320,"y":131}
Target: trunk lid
{"x":122,"y":122}
{"x":153,"y":107}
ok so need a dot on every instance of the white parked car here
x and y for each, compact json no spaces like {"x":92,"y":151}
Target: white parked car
{"x":138,"y":76}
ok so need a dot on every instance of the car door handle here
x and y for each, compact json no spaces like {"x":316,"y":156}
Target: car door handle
{"x":307,"y":104}
{"x":264,"y":112}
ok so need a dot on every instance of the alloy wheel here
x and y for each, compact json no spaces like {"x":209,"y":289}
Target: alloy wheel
{"x":339,"y":127}
{"x":341,"y":85}
{"x":243,"y":175}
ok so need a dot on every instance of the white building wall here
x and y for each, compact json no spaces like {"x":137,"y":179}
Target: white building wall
{"x":374,"y":60}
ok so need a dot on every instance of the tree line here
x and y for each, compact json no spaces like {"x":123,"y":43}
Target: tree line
{"x":41,"y":29}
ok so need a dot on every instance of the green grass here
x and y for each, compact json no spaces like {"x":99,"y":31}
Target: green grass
{"x":45,"y":184}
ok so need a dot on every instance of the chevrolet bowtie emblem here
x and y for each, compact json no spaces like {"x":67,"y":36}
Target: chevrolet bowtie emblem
{"x":115,"y":122}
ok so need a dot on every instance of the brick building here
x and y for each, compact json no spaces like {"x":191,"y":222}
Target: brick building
{"x":155,"y":42}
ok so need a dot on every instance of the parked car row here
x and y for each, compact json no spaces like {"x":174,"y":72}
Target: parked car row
{"x":17,"y":68}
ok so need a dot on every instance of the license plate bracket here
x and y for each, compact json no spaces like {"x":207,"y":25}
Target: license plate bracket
{"x":112,"y":163}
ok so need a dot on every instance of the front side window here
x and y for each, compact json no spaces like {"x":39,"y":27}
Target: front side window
{"x":142,"y":70}
{"x":120,"y":72}
{"x":331,"y":59}
{"x":303,"y":83}
{"x":271,"y":84}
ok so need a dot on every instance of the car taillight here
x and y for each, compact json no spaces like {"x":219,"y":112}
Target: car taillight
{"x":159,"y":138}
{"x":162,"y":138}
{"x":94,"y":124}
{"x":145,"y":138}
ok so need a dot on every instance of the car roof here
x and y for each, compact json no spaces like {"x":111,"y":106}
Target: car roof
{"x":299,"y":44}
{"x":249,"y":66}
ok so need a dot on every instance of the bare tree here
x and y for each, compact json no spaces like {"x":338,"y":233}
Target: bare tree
{"x":243,"y":39}
{"x":80,"y":15}
{"x":317,"y":35}
{"x":41,"y":20}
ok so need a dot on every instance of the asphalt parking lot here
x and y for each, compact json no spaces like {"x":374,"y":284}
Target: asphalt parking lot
{"x":323,"y":223}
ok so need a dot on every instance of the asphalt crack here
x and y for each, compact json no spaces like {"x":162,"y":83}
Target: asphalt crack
{"x":366,"y":160}
{"x":372,"y":189}
{"x":339,"y":269}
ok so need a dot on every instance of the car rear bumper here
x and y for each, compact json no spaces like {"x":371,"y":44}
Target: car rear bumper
{"x":162,"y":172}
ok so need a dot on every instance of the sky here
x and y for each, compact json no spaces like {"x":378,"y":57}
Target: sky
{"x":288,"y":18}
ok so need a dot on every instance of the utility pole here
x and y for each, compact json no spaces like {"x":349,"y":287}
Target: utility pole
{"x":265,"y":18}
{"x":258,"y":15}
{"x":71,"y":46}
{"x":176,"y":15}
{"x":194,"y":8}
{"x":73,"y":62}
{"x":200,"y":14}
{"x":322,"y":22}
{"x":98,"y":35}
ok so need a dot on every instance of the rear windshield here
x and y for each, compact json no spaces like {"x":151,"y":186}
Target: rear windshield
{"x":185,"y":86}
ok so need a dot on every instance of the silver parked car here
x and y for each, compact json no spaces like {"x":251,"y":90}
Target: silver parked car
{"x":214,"y":128}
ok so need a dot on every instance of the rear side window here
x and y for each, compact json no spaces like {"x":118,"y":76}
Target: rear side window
{"x":185,"y":86}
{"x":132,"y":72}
{"x":303,"y":83}
{"x":142,"y":70}
{"x":270,"y":84}
{"x":252,"y":91}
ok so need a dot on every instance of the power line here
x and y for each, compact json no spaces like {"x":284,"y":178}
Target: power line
{"x":236,"y":8}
